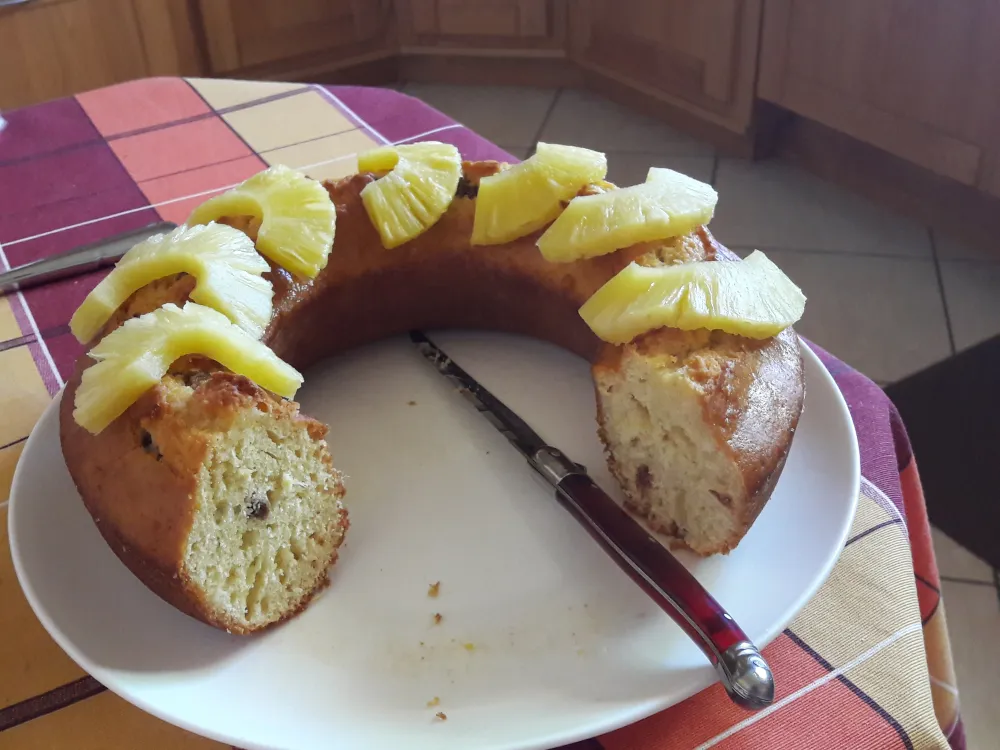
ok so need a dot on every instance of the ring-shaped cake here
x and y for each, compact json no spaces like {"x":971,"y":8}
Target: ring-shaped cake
{"x":224,"y":500}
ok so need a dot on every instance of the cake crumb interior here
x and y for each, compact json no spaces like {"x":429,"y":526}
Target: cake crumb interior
{"x":669,"y":461}
{"x":268,"y":519}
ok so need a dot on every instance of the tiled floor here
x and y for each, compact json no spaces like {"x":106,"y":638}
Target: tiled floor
{"x":885,"y":294}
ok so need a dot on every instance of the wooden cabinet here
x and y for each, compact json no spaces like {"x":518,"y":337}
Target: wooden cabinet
{"x":53,"y":48}
{"x":918,"y":79}
{"x":699,"y":55}
{"x":487,"y":26}
{"x":244,"y":34}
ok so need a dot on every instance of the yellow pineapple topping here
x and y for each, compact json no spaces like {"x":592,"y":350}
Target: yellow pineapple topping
{"x":135,"y":356}
{"x":223,"y":260}
{"x":379,"y":160}
{"x":751,"y":298}
{"x":417,"y":191}
{"x":667,"y":204}
{"x":527,"y":196}
{"x":297,"y":217}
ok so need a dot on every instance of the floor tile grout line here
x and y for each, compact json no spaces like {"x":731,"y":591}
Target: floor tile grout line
{"x":972,"y":261}
{"x":823,"y":251}
{"x":705,"y":151}
{"x":653,"y":152}
{"x":545,"y":119}
{"x":967,"y":581}
{"x":940,"y":283}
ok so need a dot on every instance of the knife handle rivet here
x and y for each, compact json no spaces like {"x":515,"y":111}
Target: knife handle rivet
{"x":554,"y":465}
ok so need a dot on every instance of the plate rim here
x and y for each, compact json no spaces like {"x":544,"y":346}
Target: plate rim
{"x":621,"y":719}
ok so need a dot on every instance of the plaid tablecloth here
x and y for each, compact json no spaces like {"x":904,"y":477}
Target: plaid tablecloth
{"x":866,"y":664}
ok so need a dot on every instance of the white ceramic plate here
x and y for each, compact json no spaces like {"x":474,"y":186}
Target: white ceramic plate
{"x":563,"y":645}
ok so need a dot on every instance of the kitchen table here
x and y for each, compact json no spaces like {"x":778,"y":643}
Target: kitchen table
{"x":866,"y":664}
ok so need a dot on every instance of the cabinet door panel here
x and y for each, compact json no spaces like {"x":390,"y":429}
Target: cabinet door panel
{"x":244,"y":33}
{"x":56,"y":49}
{"x":490,"y":24}
{"x":268,"y":31}
{"x":699,"y":51}
{"x":943,"y":63}
{"x":168,"y":37}
{"x":917,"y":78}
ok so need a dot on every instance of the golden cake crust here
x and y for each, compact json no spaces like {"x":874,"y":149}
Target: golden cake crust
{"x":752,"y":391}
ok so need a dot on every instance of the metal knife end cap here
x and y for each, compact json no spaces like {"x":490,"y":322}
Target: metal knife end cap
{"x":746,"y":676}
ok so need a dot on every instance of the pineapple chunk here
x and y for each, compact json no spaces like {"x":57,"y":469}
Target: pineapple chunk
{"x":222,"y":259}
{"x":381,"y":159}
{"x":751,"y":298}
{"x":526,"y":197}
{"x":415,"y":194}
{"x":667,"y":204}
{"x":134,"y":357}
{"x":297,"y":217}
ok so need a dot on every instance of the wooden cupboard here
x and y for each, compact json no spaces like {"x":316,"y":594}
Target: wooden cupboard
{"x":250,"y":34}
{"x":52,"y":48}
{"x":699,"y":55}
{"x":483,"y":26}
{"x":917,"y":79}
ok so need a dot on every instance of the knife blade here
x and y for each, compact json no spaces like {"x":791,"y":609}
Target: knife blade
{"x":741,"y":668}
{"x":88,"y":257}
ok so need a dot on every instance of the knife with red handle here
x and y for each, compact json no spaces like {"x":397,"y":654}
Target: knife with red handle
{"x":742,"y":670}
